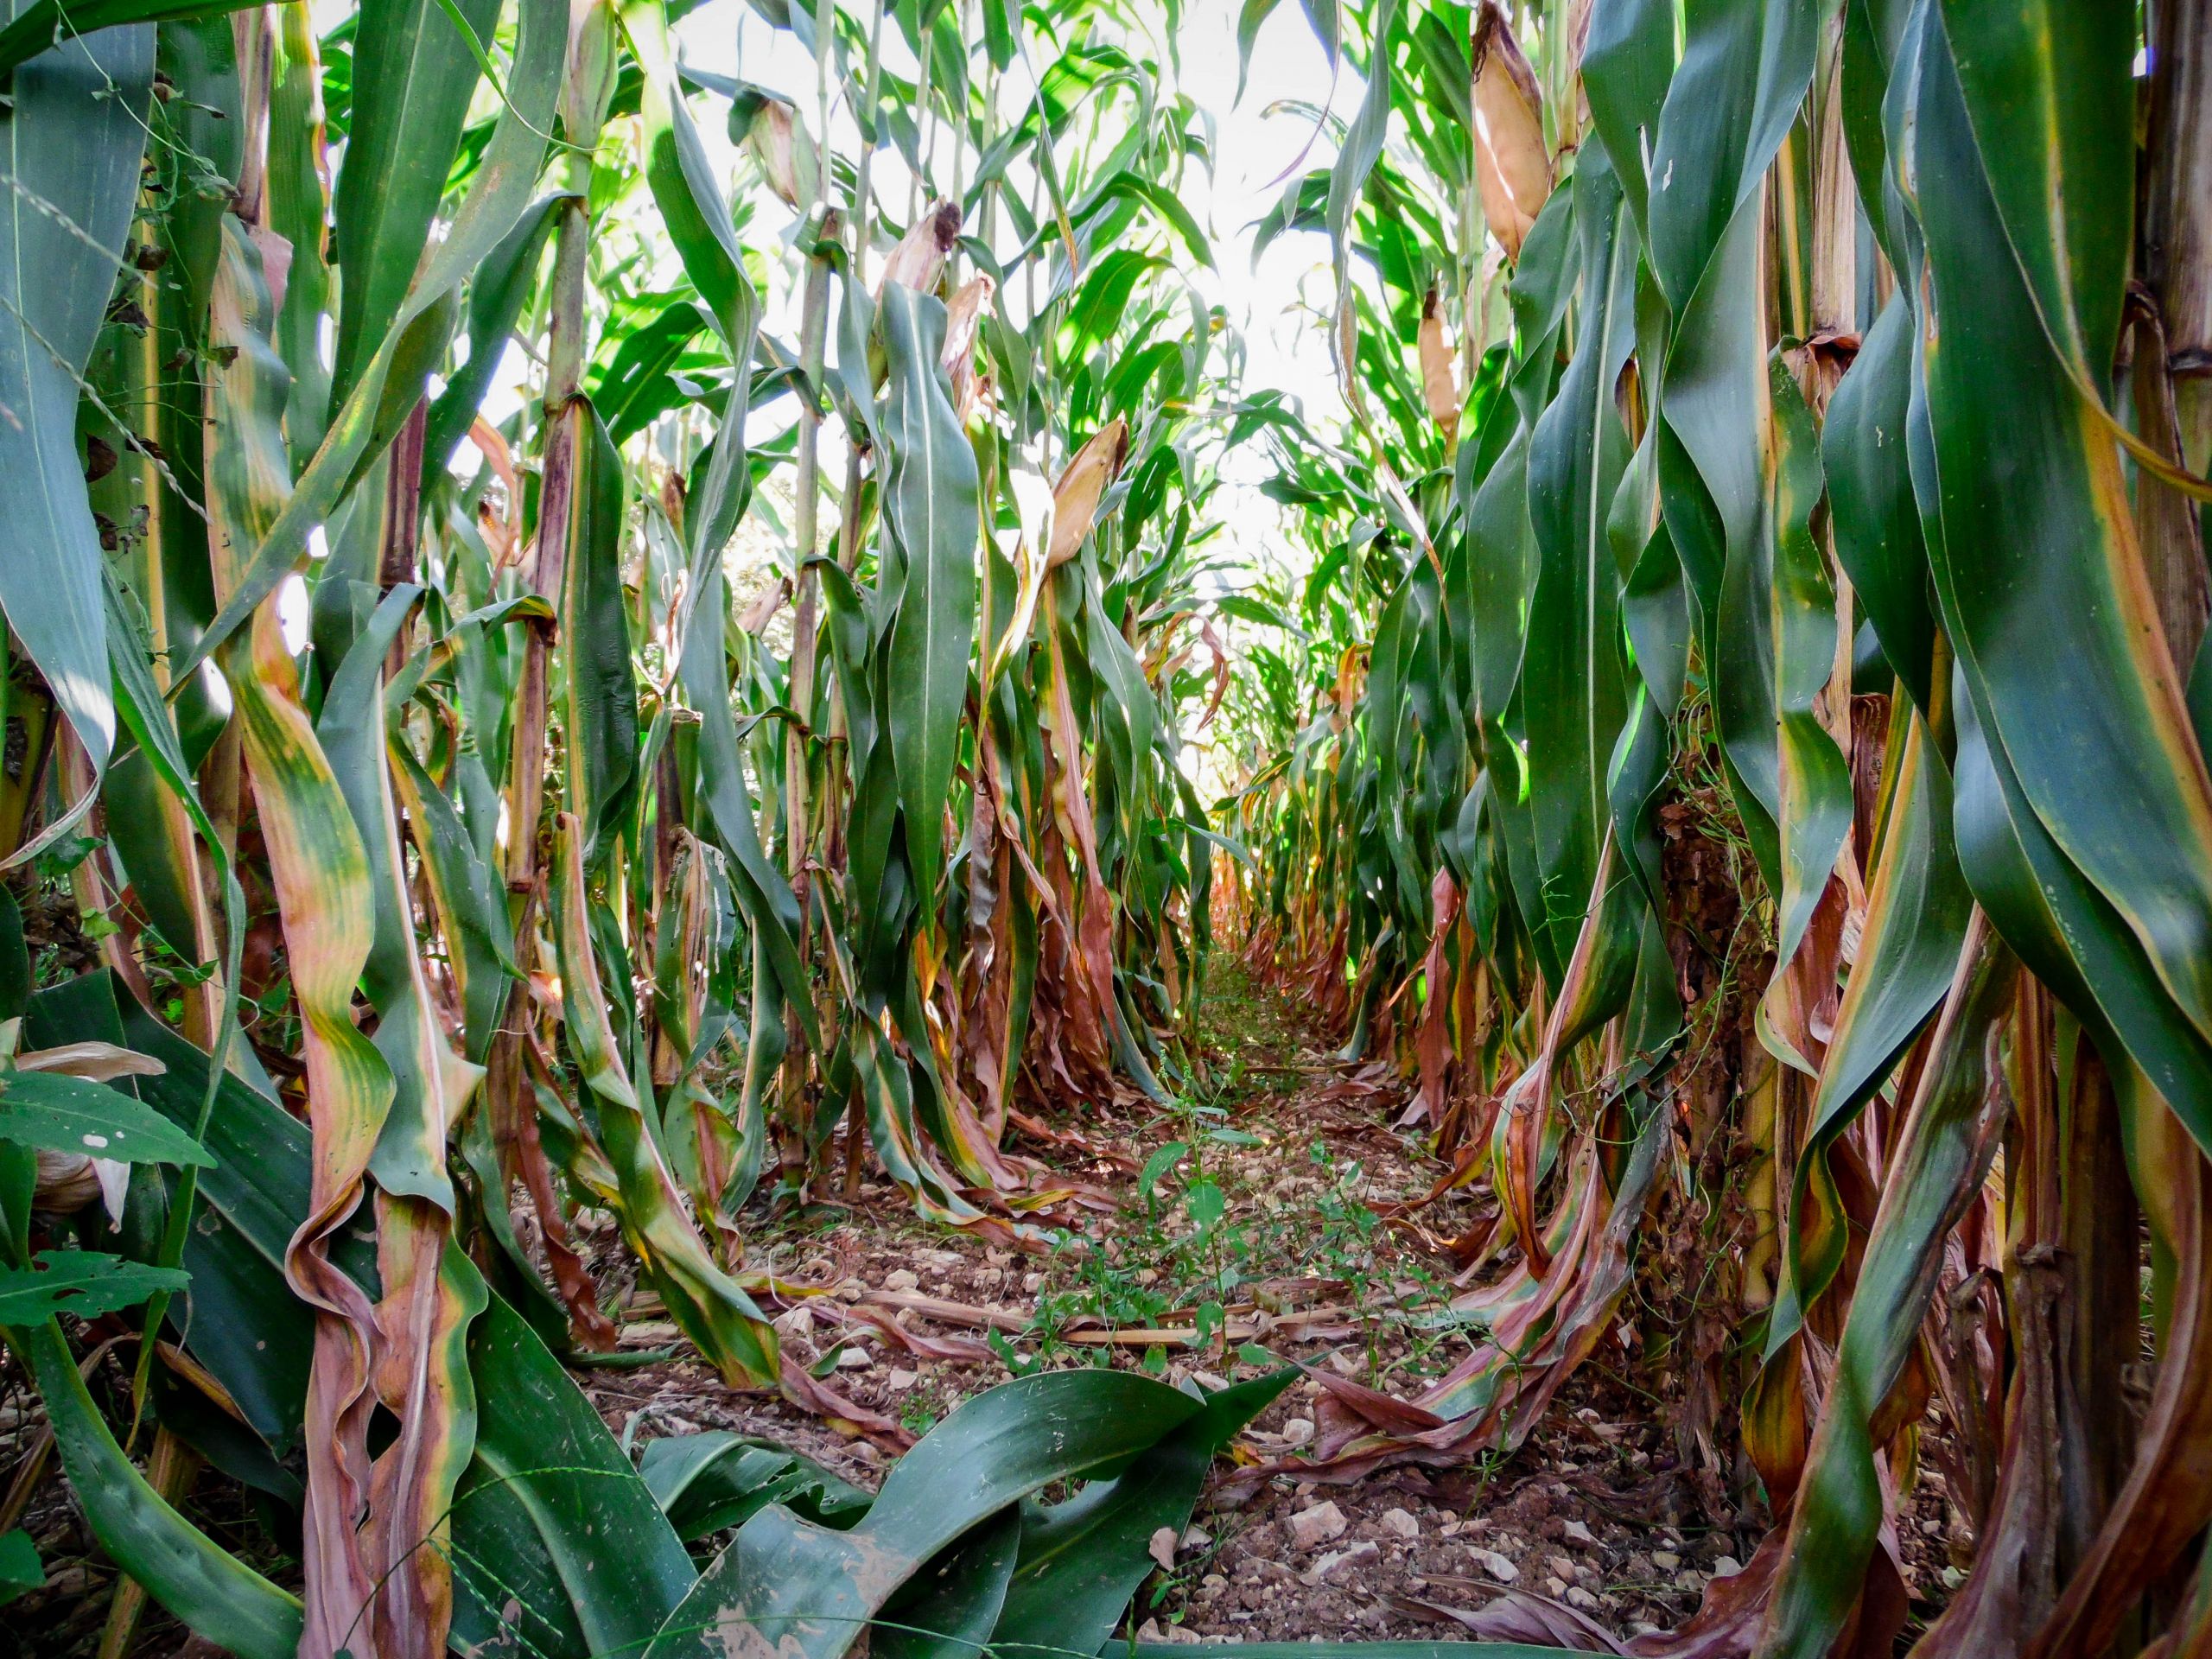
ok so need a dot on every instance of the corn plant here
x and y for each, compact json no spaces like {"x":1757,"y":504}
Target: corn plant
{"x":1778,"y":419}
{"x":1814,"y":446}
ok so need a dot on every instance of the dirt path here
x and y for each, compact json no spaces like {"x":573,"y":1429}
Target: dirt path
{"x":1269,"y":1205}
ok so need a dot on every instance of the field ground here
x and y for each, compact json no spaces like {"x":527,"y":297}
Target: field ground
{"x":1597,"y":1513}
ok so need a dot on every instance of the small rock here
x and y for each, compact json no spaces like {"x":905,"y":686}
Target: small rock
{"x":1554,"y":1587}
{"x":1665,"y":1560}
{"x":901,"y":1378}
{"x":1162,"y":1548}
{"x":1208,"y":1381}
{"x":1298,"y":1430}
{"x":1690,"y":1578}
{"x":799,"y":1322}
{"x":1399,"y":1523}
{"x":1727,"y":1567}
{"x":1577,"y":1597}
{"x":1344,"y":1364}
{"x":1032,"y":1281}
{"x":1496,"y":1566}
{"x":1323,"y":1523}
{"x":853,"y":1359}
{"x":1560,"y":1565}
{"x":1196,"y":1538}
{"x":1213,"y":1584}
{"x":901,"y":1279}
{"x":1337,"y":1565}
{"x":1576,"y":1531}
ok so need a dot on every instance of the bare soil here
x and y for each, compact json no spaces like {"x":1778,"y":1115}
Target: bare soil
{"x":1598,"y":1520}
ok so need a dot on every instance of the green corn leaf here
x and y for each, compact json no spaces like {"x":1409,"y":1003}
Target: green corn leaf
{"x":497,"y":197}
{"x":1083,"y":1558}
{"x":812,"y":1590}
{"x":196,"y":1579}
{"x":81,"y":1283}
{"x":931,"y":504}
{"x":20,"y":1570}
{"x":413,"y":79}
{"x":56,"y":1113}
{"x":706,"y":1481}
{"x":1571,"y":674}
{"x":74,"y":134}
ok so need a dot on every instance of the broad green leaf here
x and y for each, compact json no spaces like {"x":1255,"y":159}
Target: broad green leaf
{"x":2038,"y":575}
{"x":706,"y":1481}
{"x":81,"y":1283}
{"x":20,"y":1570}
{"x":57,"y":1113}
{"x":810,"y":1591}
{"x":413,"y":78}
{"x":1571,"y":673}
{"x":499,"y":195}
{"x":75,"y":133}
{"x":195,"y":1578}
{"x":930,"y":506}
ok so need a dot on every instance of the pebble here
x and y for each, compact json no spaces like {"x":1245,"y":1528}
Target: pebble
{"x":1298,"y":1430}
{"x":853,"y":1359}
{"x":1727,"y":1566}
{"x":1496,"y":1566}
{"x":1665,"y":1560}
{"x":901,"y":1279}
{"x":1578,"y":1532}
{"x":901,"y":1378}
{"x":1401,"y":1523}
{"x":1578,"y":1597}
{"x":1196,"y":1538}
{"x":1337,"y":1565}
{"x":1323,"y":1523}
